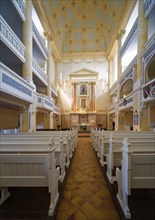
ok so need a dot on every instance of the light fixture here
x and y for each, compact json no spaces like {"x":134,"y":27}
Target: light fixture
{"x":124,"y":102}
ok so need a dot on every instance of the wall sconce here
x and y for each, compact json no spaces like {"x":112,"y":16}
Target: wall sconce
{"x":124,"y":102}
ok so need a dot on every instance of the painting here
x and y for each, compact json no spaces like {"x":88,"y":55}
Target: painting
{"x":83,"y":89}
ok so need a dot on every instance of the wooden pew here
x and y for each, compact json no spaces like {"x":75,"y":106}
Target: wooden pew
{"x":137,"y":172}
{"x":22,"y":141}
{"x":29,"y":167}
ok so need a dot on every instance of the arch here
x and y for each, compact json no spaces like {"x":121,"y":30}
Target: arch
{"x":126,"y":88}
{"x":150,"y":70}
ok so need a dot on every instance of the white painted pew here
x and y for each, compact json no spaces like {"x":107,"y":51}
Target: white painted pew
{"x":104,"y":137}
{"x":28,"y":167}
{"x":114,"y":156}
{"x":16,"y":141}
{"x":72,"y":134}
{"x":137,"y":172}
{"x":42,"y":139}
{"x":95,"y":133}
{"x":43,"y":135}
{"x":70,"y":137}
{"x":72,"y":142}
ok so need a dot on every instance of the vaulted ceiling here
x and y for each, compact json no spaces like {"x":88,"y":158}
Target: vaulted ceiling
{"x":84,"y":25}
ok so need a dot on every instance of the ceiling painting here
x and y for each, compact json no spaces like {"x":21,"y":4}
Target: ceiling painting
{"x":84,"y":25}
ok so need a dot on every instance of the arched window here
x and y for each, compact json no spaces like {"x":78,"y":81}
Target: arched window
{"x":126,"y":89}
{"x":151,"y":70}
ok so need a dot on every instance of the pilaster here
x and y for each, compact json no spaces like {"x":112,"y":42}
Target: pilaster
{"x":144,"y":118}
{"x":24,"y":120}
{"x":117,"y":121}
{"x":48,"y":120}
{"x":32,"y":115}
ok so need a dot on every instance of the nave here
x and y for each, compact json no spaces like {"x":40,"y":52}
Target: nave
{"x":86,"y":195}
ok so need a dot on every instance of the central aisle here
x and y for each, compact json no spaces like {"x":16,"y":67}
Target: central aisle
{"x":86,"y":195}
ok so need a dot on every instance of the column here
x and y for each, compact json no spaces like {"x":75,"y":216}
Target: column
{"x":27,"y":41}
{"x":57,"y":80}
{"x":76,"y":104}
{"x":93,"y":95}
{"x":109,"y":83}
{"x":141,"y":40}
{"x":119,"y":42}
{"x":29,"y":117}
{"x":74,"y":107}
{"x":109,"y":96}
{"x":56,"y":72}
{"x":74,"y":94}
{"x":117,"y":112}
{"x":49,"y":71}
{"x":78,"y":98}
{"x":119,"y":66}
{"x":48,"y":117}
{"x":136,"y":103}
{"x":142,"y":37}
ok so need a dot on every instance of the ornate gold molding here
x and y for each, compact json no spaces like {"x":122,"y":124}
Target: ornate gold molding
{"x":48,"y":35}
{"x":84,"y":55}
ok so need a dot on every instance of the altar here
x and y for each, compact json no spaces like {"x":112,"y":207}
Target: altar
{"x":84,"y":127}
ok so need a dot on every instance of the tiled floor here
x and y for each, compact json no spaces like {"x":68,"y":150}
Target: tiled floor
{"x":86,"y":195}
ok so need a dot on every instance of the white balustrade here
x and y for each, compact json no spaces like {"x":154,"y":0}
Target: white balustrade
{"x":20,"y":6}
{"x":11,"y":40}
{"x":15,"y":85}
{"x":39,"y":71}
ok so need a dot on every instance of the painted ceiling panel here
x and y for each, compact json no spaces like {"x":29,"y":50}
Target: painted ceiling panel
{"x":69,"y":14}
{"x":77,"y":46}
{"x":99,"y":13}
{"x":111,"y":3}
{"x":90,"y":46}
{"x":84,"y":25}
{"x":77,"y":24}
{"x":90,"y":35}
{"x":76,"y":36}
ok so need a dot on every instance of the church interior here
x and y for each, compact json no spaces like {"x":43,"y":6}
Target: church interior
{"x":78,"y":75}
